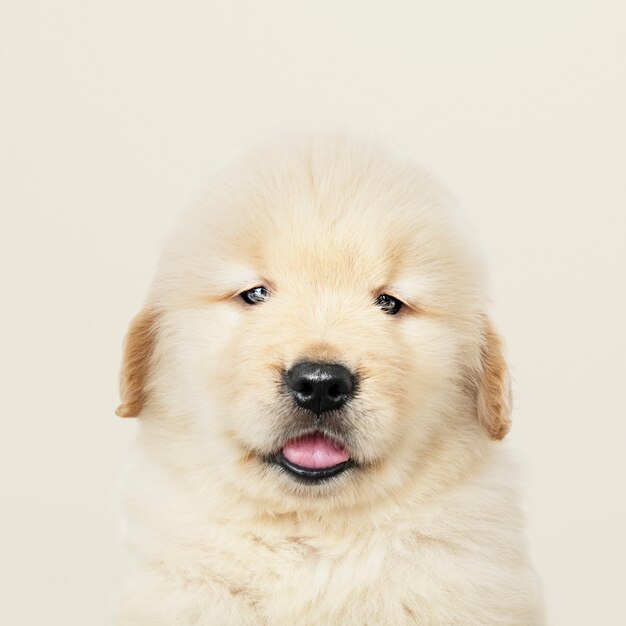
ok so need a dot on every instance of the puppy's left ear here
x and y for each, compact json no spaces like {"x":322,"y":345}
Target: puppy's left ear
{"x":136,"y":364}
{"x":493,"y":401}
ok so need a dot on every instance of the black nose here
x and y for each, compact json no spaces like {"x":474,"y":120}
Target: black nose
{"x":320,"y":387}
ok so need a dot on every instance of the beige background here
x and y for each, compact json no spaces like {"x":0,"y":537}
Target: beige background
{"x":112,"y":116}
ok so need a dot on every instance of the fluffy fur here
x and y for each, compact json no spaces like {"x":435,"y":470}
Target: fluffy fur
{"x":427,"y":530}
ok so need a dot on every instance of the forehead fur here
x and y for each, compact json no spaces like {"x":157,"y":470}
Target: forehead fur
{"x":324,"y":211}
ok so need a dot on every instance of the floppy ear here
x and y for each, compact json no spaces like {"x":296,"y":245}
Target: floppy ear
{"x":138,"y":349}
{"x":493,"y":399}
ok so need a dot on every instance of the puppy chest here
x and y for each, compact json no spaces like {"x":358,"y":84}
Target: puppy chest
{"x":298,"y":578}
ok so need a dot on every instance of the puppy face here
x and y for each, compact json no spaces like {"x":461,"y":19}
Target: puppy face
{"x":315,"y":331}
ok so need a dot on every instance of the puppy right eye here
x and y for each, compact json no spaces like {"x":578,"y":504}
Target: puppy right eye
{"x":255,"y":295}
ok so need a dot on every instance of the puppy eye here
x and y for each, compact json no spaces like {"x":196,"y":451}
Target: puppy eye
{"x":255,"y":295}
{"x":388,"y":304}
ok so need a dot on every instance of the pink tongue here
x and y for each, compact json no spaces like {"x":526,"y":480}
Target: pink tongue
{"x":314,"y":452}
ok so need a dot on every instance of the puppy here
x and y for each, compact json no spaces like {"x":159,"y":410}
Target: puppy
{"x":321,"y":398}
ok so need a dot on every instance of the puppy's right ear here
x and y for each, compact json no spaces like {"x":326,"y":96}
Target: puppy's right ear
{"x":138,"y":350}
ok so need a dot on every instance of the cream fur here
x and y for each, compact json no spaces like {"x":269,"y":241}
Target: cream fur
{"x":428,"y":531}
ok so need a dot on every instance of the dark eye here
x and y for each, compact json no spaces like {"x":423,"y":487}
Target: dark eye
{"x":255,"y":295}
{"x":388,"y":304}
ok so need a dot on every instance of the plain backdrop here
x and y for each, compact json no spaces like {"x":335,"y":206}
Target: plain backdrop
{"x":114,"y":114}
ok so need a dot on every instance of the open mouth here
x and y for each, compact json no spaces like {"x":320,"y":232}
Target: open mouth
{"x":313,"y":458}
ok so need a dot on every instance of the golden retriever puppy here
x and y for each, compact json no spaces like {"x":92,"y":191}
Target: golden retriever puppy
{"x":321,"y":398}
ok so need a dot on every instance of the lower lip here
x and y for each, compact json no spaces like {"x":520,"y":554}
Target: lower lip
{"x":310,"y":475}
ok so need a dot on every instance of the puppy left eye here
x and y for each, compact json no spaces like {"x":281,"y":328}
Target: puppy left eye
{"x":388,"y":304}
{"x":255,"y":295}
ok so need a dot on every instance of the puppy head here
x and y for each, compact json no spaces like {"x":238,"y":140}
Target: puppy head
{"x":316,"y":330}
